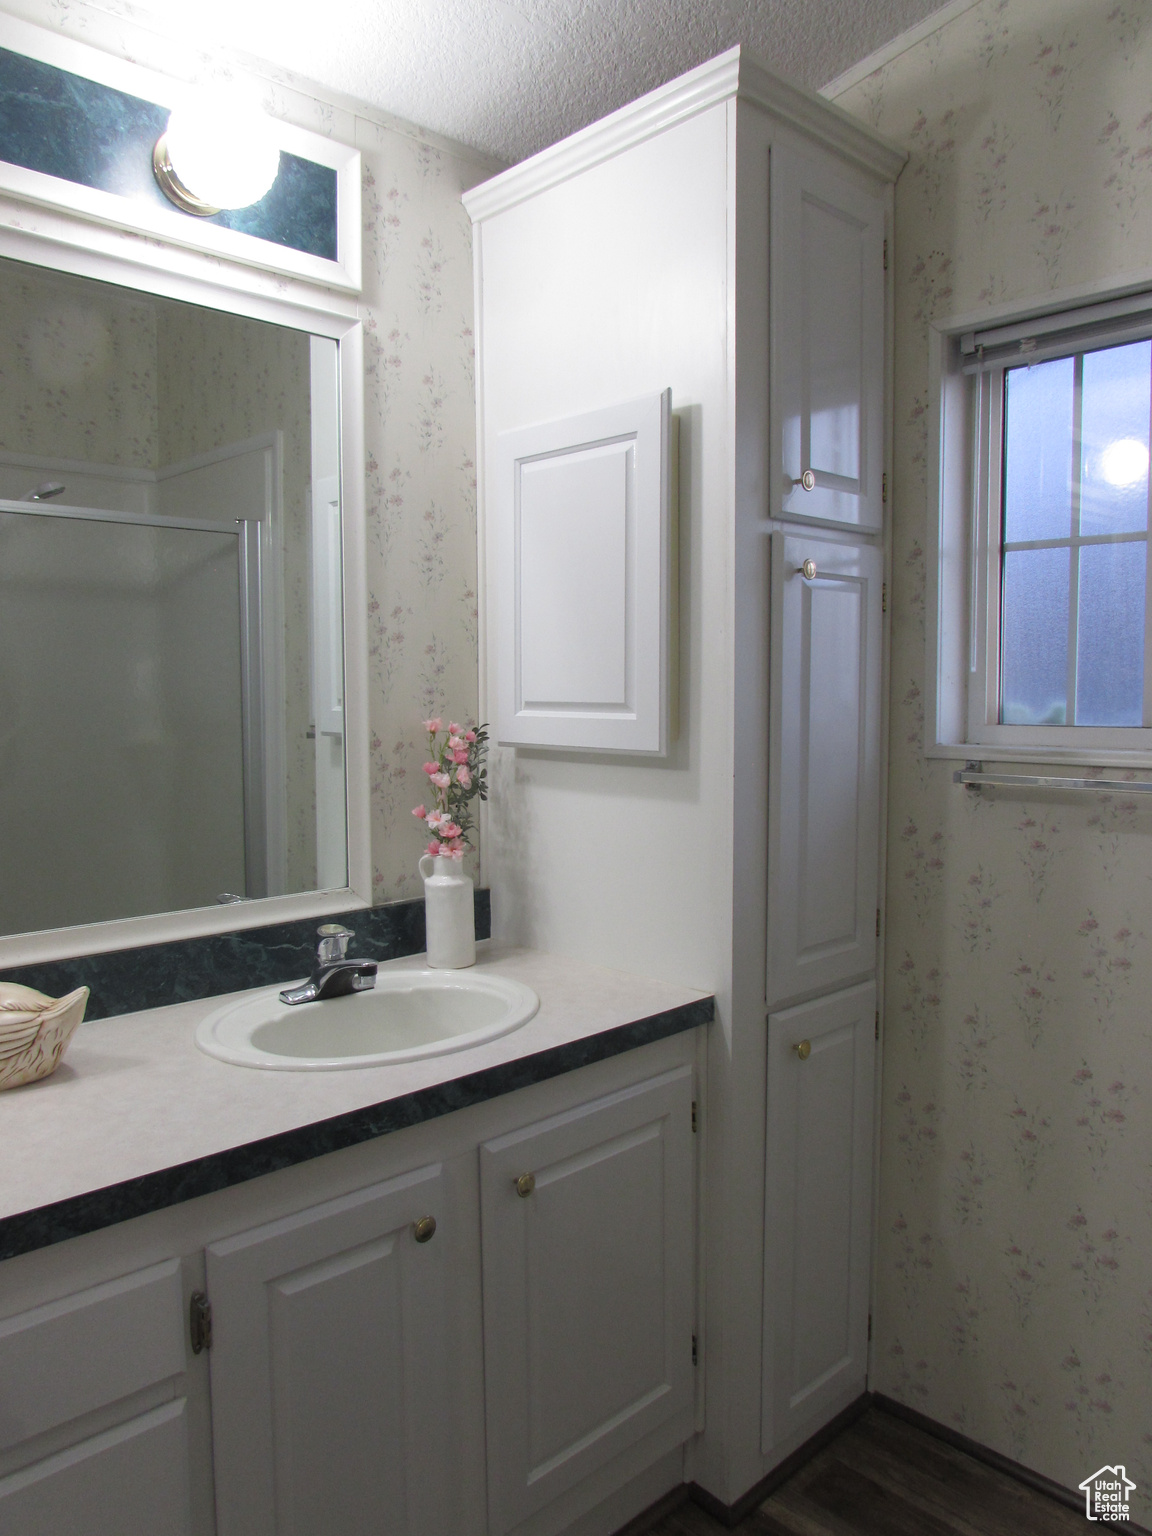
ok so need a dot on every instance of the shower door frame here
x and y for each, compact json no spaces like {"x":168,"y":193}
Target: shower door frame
{"x":255,"y":693}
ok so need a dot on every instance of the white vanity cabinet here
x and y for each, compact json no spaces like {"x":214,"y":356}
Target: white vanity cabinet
{"x":94,"y":1422}
{"x":398,"y":1340}
{"x":588,"y":1292}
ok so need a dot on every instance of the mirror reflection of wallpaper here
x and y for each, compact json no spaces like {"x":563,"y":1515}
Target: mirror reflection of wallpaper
{"x":127,"y":386}
{"x":224,"y":379}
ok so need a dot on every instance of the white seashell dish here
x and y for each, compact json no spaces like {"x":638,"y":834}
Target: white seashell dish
{"x":35,"y":1031}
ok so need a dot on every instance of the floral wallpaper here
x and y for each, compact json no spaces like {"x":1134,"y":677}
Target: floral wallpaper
{"x":1015,"y":1243}
{"x":420,"y":428}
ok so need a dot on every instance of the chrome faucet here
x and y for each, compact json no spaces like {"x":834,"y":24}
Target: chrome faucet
{"x":335,"y":975}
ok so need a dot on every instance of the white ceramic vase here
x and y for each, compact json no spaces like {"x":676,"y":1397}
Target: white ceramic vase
{"x":449,"y":914}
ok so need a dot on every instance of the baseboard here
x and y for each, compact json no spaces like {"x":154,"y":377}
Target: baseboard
{"x":1005,"y":1464}
{"x":732,"y":1514}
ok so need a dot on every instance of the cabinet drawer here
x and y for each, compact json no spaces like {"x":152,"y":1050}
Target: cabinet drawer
{"x":129,"y":1481}
{"x":71,"y":1356}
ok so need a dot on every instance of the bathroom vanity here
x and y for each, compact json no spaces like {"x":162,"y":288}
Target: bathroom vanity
{"x":479,"y":1317}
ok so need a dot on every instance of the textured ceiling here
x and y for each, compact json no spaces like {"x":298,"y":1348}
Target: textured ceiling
{"x":512,"y":76}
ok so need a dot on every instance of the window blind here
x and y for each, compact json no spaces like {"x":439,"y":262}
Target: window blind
{"x":1057,"y":334}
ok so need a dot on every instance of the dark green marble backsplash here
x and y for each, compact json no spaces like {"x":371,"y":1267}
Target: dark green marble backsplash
{"x":182,"y":970}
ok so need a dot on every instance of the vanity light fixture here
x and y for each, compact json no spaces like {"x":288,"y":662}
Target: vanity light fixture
{"x":216,"y":152}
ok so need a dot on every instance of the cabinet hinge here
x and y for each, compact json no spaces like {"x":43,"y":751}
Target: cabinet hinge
{"x":877,"y":1023}
{"x":200,"y":1322}
{"x":694,"y":1125}
{"x":884,"y":487}
{"x":885,"y":255}
{"x":877,"y":922}
{"x":869,"y":1327}
{"x":883,"y":597}
{"x":695,"y":1355}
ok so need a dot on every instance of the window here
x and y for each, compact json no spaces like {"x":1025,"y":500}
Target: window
{"x":1043,"y":641}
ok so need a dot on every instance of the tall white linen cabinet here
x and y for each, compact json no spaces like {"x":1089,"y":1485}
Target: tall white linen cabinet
{"x":725,"y":238}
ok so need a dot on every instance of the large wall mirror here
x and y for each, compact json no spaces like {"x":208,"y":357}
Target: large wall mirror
{"x":172,"y":695}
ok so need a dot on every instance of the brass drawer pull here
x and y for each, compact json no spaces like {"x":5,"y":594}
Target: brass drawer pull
{"x":525,"y":1184}
{"x":803,"y":1049}
{"x":424,"y":1229}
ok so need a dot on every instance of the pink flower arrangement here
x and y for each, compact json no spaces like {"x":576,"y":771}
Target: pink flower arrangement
{"x":457,"y":774}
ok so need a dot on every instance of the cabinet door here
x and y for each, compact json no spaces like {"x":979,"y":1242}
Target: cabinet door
{"x":824,"y":764}
{"x":329,"y":1387}
{"x":827,"y":253}
{"x":818,"y":1211}
{"x":588,"y":1290}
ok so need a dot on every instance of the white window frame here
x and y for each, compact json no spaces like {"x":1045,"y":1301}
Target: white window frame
{"x":963,"y":557}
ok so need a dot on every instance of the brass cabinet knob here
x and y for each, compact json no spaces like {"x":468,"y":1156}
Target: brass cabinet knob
{"x":525,"y":1184}
{"x":803,"y":1049}
{"x":424,"y":1229}
{"x":807,"y":481}
{"x":808,"y":570}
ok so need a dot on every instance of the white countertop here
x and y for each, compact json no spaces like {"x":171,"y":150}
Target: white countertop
{"x":134,"y":1095}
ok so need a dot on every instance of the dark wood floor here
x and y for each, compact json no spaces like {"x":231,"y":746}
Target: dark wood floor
{"x":884,"y":1477}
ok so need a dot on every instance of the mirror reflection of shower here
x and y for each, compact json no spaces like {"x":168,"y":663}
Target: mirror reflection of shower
{"x":171,"y":636}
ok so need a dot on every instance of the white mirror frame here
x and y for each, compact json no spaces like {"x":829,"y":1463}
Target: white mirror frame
{"x":63,"y":242}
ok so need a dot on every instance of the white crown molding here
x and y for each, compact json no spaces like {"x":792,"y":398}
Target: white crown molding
{"x":731,"y":74}
{"x":890,"y":51}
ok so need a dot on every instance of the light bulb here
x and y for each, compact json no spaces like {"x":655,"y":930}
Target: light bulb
{"x":216,"y":153}
{"x":1124,"y":462}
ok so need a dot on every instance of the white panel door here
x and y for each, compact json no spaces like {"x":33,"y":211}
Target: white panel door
{"x":818,"y":1211}
{"x":588,"y":1290}
{"x":827,"y":253}
{"x":824,"y":764}
{"x":129,"y":1481}
{"x":329,"y":1374}
{"x":580,"y":598}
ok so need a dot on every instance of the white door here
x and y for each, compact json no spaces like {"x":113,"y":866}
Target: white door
{"x":330,"y":1393}
{"x":827,"y":254}
{"x":588,"y":1290}
{"x":818,"y":1211}
{"x":824,"y":764}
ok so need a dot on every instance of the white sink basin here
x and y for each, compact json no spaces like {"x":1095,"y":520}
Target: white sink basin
{"x":408,"y":1015}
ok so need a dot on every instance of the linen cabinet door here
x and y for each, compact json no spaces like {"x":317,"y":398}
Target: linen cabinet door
{"x":827,"y":347}
{"x":329,"y":1373}
{"x":586,"y":1222}
{"x":818,"y":1211}
{"x":824,"y":765}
